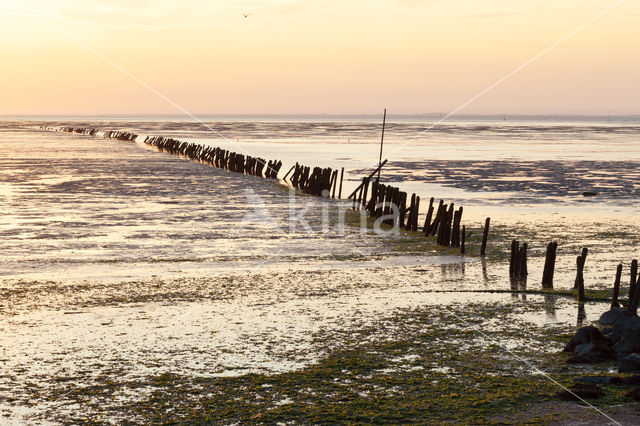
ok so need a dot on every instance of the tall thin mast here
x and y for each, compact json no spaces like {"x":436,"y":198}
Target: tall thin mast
{"x":384,"y":120}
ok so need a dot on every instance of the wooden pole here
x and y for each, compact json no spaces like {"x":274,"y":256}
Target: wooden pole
{"x":579,"y":276}
{"x":463,"y":238}
{"x":365,"y":184}
{"x":633,"y":284}
{"x":334,"y":182}
{"x":427,"y":220}
{"x":523,"y":272}
{"x":633,"y":303}
{"x":485,"y":235}
{"x":384,"y":121}
{"x":414,"y":222}
{"x":616,"y":288}
{"x":549,"y":265}
{"x":436,"y":221}
{"x":340,"y":190}
{"x":514,"y":258}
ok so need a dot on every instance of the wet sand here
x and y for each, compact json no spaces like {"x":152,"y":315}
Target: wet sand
{"x":122,"y":264}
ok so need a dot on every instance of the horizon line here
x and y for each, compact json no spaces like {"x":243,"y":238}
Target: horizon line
{"x":430,"y":114}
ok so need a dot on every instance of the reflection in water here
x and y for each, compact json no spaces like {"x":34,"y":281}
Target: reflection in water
{"x":452,"y":271}
{"x":514,"y":287}
{"x":485,"y":275}
{"x":582,"y":315}
{"x":550,"y":306}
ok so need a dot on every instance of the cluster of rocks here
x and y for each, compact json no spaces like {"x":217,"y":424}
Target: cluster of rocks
{"x":618,"y":340}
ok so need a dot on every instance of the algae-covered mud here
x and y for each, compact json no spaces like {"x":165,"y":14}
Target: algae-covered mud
{"x":141,"y":287}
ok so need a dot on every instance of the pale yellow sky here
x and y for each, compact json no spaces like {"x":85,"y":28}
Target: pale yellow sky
{"x":317,"y":56}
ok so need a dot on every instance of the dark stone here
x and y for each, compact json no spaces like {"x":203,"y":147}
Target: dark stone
{"x":585,"y":335}
{"x":627,"y":327}
{"x":611,"y":316}
{"x":606,"y":331}
{"x":584,"y":391}
{"x":629,"y":364}
{"x":623,"y":323}
{"x":587,"y":353}
{"x":589,"y":193}
{"x":626,"y":346}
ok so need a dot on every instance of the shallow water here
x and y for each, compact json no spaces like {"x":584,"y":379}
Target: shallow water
{"x":120,"y":261}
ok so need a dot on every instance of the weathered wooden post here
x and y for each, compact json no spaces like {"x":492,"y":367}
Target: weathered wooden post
{"x":427,"y":220}
{"x":522,"y":262}
{"x":334,"y":181}
{"x":463,"y":238}
{"x":448,"y":223}
{"x":633,"y":287}
{"x":365,"y":184}
{"x":402,"y":209}
{"x":340,"y":190}
{"x":442,"y":223}
{"x":514,"y":258}
{"x":455,"y":237}
{"x":436,"y":222}
{"x":485,"y":235}
{"x":549,"y":265}
{"x":616,"y":288}
{"x":414,"y":221}
{"x":579,"y":276}
{"x":409,"y":222}
{"x":633,"y":284}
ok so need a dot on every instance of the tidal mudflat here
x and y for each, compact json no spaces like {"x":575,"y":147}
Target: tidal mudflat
{"x":142,"y":287}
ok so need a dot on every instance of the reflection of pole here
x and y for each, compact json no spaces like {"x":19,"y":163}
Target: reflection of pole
{"x":550,"y":306}
{"x":485,"y":275}
{"x":384,"y":120}
{"x":582,"y":315}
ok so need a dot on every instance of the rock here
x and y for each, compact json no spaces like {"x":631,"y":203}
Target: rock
{"x":587,"y":353}
{"x":585,"y":335}
{"x":623,"y":323}
{"x":626,"y":346}
{"x":589,"y":194}
{"x":627,"y":327}
{"x":583,"y":391}
{"x":611,"y":316}
{"x":629,"y":364}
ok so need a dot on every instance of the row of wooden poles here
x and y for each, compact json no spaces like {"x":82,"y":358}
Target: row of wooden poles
{"x":400,"y":211}
{"x":217,"y":157}
{"x":214,"y":156}
{"x":111,"y":134}
{"x":378,"y":200}
{"x":123,"y":136}
{"x":634,"y":288}
{"x":321,"y":182}
{"x":518,"y":271}
{"x":443,"y":222}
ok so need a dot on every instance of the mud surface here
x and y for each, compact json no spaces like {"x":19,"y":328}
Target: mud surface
{"x":144,"y":287}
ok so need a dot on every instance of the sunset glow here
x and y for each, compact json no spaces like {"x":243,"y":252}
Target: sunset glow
{"x":317,"y":57}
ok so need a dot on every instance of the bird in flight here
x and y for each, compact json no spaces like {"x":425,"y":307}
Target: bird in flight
{"x":245,"y":15}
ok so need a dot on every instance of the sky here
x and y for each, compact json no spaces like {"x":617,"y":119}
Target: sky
{"x":319,"y":57}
